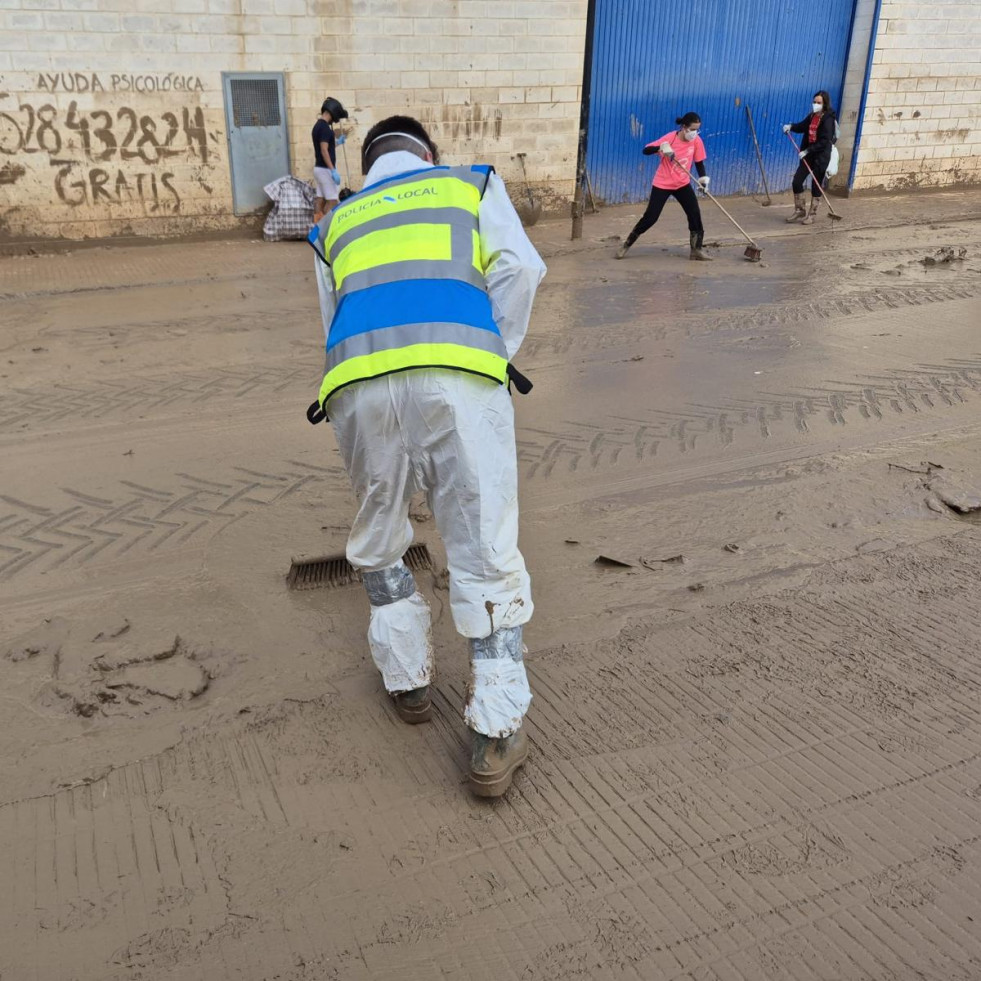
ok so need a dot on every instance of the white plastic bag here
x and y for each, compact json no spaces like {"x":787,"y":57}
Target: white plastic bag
{"x":833,"y":164}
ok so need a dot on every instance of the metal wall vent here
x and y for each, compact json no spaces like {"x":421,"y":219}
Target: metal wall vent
{"x":255,"y":101}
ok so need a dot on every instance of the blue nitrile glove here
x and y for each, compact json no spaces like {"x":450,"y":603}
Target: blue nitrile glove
{"x":340,"y":139}
{"x":335,"y":177}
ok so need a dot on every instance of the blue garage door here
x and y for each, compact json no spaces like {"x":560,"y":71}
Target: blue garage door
{"x":654,"y":60}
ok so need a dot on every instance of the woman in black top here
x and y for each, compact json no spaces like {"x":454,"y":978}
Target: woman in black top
{"x":818,"y":129}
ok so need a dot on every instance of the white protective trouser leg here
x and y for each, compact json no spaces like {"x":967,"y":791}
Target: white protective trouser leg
{"x":499,"y":694}
{"x":452,"y":435}
{"x":399,"y":634}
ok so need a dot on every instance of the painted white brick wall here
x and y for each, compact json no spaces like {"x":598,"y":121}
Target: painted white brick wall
{"x":922,"y":122}
{"x":89,"y":94}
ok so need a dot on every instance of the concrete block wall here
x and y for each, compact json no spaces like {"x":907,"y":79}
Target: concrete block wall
{"x":112,"y":115}
{"x":922,"y":120}
{"x":489,"y":80}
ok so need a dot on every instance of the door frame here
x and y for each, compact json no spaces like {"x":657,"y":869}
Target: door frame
{"x":226,"y":78}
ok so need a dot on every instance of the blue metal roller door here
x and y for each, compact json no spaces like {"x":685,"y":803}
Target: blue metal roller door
{"x":656,"y":59}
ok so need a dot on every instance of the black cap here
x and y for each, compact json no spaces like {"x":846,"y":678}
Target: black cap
{"x":336,"y":110}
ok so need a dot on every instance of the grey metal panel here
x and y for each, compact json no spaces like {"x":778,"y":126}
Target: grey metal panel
{"x":258,"y":142}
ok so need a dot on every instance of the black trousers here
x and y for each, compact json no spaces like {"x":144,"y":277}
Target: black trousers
{"x":819,"y":166}
{"x":659,"y":198}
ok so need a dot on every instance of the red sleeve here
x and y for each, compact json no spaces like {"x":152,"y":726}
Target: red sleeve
{"x":699,"y":150}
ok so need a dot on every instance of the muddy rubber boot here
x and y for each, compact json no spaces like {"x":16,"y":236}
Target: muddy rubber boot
{"x":414,"y":706}
{"x":622,"y":251}
{"x":809,"y":218}
{"x":697,"y":253}
{"x":800,"y":209}
{"x":493,"y":762}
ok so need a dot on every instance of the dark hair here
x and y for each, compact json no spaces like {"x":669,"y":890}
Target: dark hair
{"x":373,"y":147}
{"x":825,"y":98}
{"x":688,"y":118}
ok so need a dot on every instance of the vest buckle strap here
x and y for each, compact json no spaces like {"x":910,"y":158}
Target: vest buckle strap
{"x":521,"y":382}
{"x":316,"y":414}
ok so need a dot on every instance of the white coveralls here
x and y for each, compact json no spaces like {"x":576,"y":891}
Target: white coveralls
{"x":450,"y":434}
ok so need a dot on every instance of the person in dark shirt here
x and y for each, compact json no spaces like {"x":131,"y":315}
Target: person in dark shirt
{"x":325,"y":174}
{"x":818,"y":131}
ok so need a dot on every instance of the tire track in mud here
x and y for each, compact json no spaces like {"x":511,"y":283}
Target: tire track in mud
{"x":861,"y":303}
{"x":869,"y":250}
{"x":120,"y":337}
{"x":622,"y":441}
{"x":40,"y":407}
{"x":857,"y":304}
{"x":115,"y":855}
{"x":22,"y":409}
{"x":185,"y":511}
{"x":903,"y":389}
{"x":51,"y":276}
{"x":723,"y":795}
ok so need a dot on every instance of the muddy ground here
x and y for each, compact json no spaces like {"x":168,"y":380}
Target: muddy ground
{"x":755,"y":743}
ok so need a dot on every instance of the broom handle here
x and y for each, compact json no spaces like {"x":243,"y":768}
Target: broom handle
{"x":708,"y":194}
{"x":759,"y":155}
{"x":347,"y":168}
{"x":814,"y":181}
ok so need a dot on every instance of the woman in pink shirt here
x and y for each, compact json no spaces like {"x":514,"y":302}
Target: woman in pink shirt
{"x":684,"y":146}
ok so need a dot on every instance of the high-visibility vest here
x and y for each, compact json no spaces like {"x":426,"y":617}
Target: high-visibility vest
{"x":409,"y":278}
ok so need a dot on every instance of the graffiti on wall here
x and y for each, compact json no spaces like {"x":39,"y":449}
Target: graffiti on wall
{"x":112,"y":154}
{"x":93,"y":82}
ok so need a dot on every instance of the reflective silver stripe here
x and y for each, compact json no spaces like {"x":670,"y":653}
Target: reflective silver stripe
{"x":405,"y":335}
{"x":456,"y":217}
{"x":474,"y":177}
{"x":460,"y":173}
{"x":506,"y":642}
{"x":323,"y":225}
{"x":396,"y":272}
{"x":389,"y":585}
{"x":462,"y":240}
{"x":464,"y":174}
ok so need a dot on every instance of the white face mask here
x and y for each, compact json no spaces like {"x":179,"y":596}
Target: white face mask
{"x":816,"y":106}
{"x":689,"y":134}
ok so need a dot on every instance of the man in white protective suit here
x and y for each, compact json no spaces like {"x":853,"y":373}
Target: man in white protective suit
{"x":426,"y":286}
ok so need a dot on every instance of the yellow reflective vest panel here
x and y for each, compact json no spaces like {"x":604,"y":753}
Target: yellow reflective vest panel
{"x":406,"y":261}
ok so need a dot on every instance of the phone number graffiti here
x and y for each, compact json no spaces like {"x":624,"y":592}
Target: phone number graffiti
{"x":102,"y":135}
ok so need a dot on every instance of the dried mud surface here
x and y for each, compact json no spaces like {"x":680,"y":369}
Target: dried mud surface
{"x":755,"y":732}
